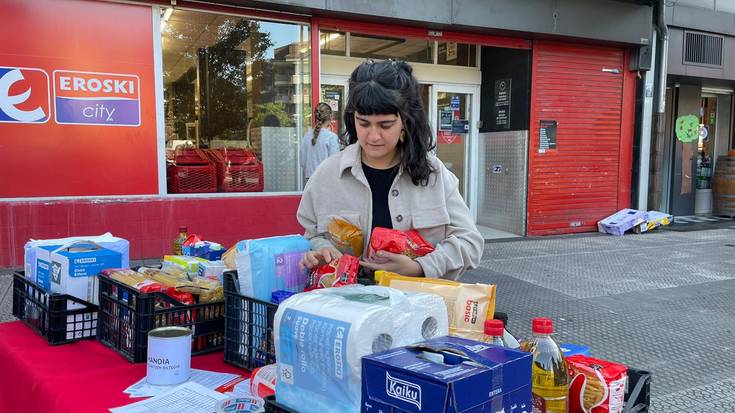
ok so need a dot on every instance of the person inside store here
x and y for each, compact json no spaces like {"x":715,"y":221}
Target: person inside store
{"x":388,"y":177}
{"x":319,"y":143}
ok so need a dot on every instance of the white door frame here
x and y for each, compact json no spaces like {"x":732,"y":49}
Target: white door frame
{"x":336,"y":80}
{"x":472,"y":148}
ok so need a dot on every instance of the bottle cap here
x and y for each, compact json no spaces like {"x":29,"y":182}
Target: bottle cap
{"x":182,"y":229}
{"x":494,"y":328}
{"x":543,"y":325}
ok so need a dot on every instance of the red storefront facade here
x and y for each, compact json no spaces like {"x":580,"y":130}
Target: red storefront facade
{"x":65,"y":176}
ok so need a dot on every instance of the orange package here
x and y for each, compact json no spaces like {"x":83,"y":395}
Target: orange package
{"x":409,"y":243}
{"x":597,"y":386}
{"x":346,"y":237}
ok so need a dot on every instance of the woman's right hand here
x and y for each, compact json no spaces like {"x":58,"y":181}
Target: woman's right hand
{"x":313,"y":259}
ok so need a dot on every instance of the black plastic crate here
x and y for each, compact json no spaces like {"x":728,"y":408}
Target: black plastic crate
{"x":48,"y":313}
{"x":126,"y":316}
{"x":248,"y":327}
{"x":638,"y":391}
{"x":272,"y":406}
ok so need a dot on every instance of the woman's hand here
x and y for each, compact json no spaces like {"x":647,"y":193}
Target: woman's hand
{"x":316,"y":258}
{"x":397,"y":263}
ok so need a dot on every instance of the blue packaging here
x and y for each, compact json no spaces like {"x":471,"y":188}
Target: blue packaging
{"x":280,"y":296}
{"x":72,"y":269}
{"x":569,"y":349}
{"x":269,"y":264}
{"x":106,"y":240}
{"x":448,"y":375}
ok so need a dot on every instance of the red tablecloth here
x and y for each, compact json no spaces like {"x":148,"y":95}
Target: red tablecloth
{"x":84,"y":376}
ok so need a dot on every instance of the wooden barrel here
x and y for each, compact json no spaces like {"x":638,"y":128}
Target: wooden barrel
{"x":723,"y":186}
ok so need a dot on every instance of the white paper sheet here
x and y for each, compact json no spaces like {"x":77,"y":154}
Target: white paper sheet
{"x":208,"y":379}
{"x":189,"y":397}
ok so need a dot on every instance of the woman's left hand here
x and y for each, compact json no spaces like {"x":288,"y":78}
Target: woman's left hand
{"x":397,"y":263}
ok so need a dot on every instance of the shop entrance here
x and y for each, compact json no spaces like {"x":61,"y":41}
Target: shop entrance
{"x":694,"y":161}
{"x":453,"y":117}
{"x":334,"y":92}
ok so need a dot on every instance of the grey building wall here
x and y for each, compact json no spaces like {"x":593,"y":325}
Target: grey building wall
{"x":711,"y":16}
{"x":676,"y":60}
{"x":605,"y":20}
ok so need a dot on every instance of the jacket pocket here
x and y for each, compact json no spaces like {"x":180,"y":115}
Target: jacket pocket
{"x":430,"y":217}
{"x":323,"y":220}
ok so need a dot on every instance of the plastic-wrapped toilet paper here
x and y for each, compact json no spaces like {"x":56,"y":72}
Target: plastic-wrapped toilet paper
{"x":322,"y":335}
{"x":434,"y":319}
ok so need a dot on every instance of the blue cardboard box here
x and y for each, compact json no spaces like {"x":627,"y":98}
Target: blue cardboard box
{"x":447,"y":375}
{"x":72,"y":269}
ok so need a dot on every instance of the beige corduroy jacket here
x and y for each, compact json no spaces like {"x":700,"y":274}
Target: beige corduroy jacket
{"x":338,"y":188}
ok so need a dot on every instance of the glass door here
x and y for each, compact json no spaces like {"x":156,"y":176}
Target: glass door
{"x":334,"y":93}
{"x":454,"y":120}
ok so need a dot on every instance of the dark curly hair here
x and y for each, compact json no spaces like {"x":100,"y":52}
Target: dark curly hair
{"x":389,"y":87}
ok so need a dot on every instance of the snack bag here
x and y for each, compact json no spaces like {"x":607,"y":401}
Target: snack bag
{"x":597,"y":386}
{"x":409,"y":243}
{"x":341,"y":271}
{"x":346,"y":237}
{"x":134,"y":279}
{"x":229,"y":258}
{"x":468,"y":305}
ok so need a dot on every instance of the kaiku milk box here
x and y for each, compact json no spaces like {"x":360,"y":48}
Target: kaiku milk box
{"x":447,"y":375}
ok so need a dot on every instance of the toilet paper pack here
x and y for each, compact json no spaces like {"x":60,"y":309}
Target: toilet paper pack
{"x":322,"y":335}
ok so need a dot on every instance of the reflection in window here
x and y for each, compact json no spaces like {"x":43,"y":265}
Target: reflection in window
{"x":237,"y":83}
{"x":377,"y":47}
{"x":332,"y":43}
{"x":457,"y":54}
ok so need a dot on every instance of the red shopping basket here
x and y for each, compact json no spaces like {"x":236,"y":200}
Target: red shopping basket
{"x":238,"y":170}
{"x":191,"y":172}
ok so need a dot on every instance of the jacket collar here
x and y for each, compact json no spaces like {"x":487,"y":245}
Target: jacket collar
{"x":352,"y":159}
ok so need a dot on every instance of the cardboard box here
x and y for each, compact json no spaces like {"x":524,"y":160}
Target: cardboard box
{"x":72,"y":269}
{"x":432,"y":377}
{"x":653,"y":220}
{"x":621,"y":221}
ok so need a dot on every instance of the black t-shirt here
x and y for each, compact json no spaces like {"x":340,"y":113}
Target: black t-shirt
{"x":380,"y":181}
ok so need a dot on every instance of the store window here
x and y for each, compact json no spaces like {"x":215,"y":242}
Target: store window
{"x":379,"y":47}
{"x":457,"y":54}
{"x":236,"y":101}
{"x":332,"y":43}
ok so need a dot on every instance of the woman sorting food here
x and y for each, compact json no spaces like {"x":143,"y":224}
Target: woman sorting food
{"x":387,"y":177}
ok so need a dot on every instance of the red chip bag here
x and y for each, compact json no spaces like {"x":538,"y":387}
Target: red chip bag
{"x":597,"y":386}
{"x":341,"y":271}
{"x":409,"y":243}
{"x":347,"y":269}
{"x":182,"y":297}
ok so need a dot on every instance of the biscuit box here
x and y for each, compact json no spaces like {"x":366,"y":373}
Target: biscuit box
{"x":72,"y":269}
{"x":447,"y":375}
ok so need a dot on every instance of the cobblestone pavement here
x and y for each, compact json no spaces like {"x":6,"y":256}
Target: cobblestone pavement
{"x":662,"y":301}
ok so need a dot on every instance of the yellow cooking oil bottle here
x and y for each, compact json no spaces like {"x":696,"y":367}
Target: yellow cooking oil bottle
{"x":550,"y":381}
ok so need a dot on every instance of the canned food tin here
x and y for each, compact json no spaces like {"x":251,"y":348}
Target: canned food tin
{"x":169,"y":355}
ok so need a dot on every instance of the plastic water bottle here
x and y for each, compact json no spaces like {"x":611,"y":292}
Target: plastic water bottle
{"x":550,"y":381}
{"x":494,"y":331}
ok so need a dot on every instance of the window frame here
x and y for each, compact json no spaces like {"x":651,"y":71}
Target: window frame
{"x":260,"y":15}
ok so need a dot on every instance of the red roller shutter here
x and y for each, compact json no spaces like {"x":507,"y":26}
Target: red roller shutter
{"x":587,"y":91}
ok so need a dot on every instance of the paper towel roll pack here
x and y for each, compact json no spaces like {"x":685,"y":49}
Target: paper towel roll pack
{"x":322,"y":335}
